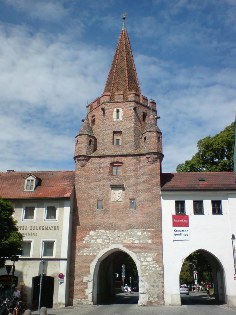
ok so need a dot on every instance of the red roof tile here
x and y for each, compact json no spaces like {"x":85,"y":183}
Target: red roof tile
{"x":198,"y":181}
{"x":53,"y":184}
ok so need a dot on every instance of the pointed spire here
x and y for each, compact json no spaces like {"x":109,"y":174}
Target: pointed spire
{"x":122,"y":76}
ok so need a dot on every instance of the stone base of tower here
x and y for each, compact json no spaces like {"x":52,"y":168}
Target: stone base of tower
{"x":95,"y":257}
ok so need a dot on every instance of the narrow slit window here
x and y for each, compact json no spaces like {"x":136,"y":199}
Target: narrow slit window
{"x":99,"y":204}
{"x":132,"y":204}
{"x":93,"y":120}
{"x":144,"y":116}
{"x":117,"y":114}
{"x":117,"y":137}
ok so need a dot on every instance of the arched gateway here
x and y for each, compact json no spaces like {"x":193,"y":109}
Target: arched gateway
{"x":109,"y":278}
{"x":206,"y":270}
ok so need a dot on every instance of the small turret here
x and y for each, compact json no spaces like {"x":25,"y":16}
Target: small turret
{"x":85,"y":141}
{"x":152,"y":136}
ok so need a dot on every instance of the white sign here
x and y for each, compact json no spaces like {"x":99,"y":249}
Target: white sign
{"x":181,"y":233}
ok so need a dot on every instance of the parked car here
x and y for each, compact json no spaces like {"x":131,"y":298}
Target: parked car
{"x":184,"y":289}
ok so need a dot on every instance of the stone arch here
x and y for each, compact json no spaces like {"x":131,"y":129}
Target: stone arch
{"x":95,"y":265}
{"x":218,"y":274}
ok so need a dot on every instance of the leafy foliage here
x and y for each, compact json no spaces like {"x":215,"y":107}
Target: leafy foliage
{"x":215,"y":154}
{"x":196,"y":261}
{"x":10,"y":238}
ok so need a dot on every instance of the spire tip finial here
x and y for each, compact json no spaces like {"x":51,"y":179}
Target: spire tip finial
{"x":124,"y":15}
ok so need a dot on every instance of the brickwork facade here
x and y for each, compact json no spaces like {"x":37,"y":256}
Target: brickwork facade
{"x":118,"y":154}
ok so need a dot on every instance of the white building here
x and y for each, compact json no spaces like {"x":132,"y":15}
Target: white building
{"x":208,"y":202}
{"x":43,"y":204}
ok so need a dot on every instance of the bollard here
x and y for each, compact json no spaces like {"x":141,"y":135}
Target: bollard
{"x":27,"y":312}
{"x":43,"y":311}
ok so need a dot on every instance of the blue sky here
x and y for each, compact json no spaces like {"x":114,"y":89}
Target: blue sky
{"x":55,"y":56}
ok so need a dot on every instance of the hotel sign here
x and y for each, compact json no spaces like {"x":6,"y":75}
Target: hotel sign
{"x":180,"y":226}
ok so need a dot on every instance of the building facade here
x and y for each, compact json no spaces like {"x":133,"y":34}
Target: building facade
{"x":43,"y":204}
{"x":208,"y":203}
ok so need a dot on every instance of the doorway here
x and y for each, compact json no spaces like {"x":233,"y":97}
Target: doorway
{"x":112,"y":273}
{"x":202,"y":276}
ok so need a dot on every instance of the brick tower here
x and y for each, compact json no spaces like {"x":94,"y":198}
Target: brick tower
{"x":118,"y":154}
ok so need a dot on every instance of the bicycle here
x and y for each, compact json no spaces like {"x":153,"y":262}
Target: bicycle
{"x":19,"y":309}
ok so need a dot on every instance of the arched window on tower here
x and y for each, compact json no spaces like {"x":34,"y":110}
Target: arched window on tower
{"x":117,"y":114}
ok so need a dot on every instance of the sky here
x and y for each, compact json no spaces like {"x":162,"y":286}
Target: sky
{"x":55,"y":56}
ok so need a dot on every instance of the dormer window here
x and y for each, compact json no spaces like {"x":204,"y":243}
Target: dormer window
{"x":117,"y":114}
{"x":30,"y":183}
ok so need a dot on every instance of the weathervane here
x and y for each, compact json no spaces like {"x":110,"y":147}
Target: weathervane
{"x":124,"y":15}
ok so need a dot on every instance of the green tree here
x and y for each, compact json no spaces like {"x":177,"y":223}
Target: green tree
{"x":215,"y":154}
{"x":196,"y":261}
{"x":186,"y":273}
{"x":10,"y":238}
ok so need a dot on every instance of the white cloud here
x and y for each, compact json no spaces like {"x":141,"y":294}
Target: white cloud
{"x":48,"y":10}
{"x":45,"y":86}
{"x":193,"y":103}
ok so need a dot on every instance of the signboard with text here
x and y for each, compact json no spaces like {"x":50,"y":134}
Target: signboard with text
{"x":180,"y":226}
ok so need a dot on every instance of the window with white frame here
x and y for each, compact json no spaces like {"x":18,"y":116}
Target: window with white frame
{"x":179,"y":207}
{"x":48,"y":248}
{"x":30,"y":183}
{"x":51,"y":213}
{"x":28,"y":213}
{"x":117,"y":114}
{"x":26,"y":248}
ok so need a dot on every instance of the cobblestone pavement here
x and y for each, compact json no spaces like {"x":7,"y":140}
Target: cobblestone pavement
{"x":195,"y":304}
{"x":131,"y":309}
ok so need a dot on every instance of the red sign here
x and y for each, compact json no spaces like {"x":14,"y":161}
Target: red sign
{"x":61,"y":276}
{"x":180,"y":220}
